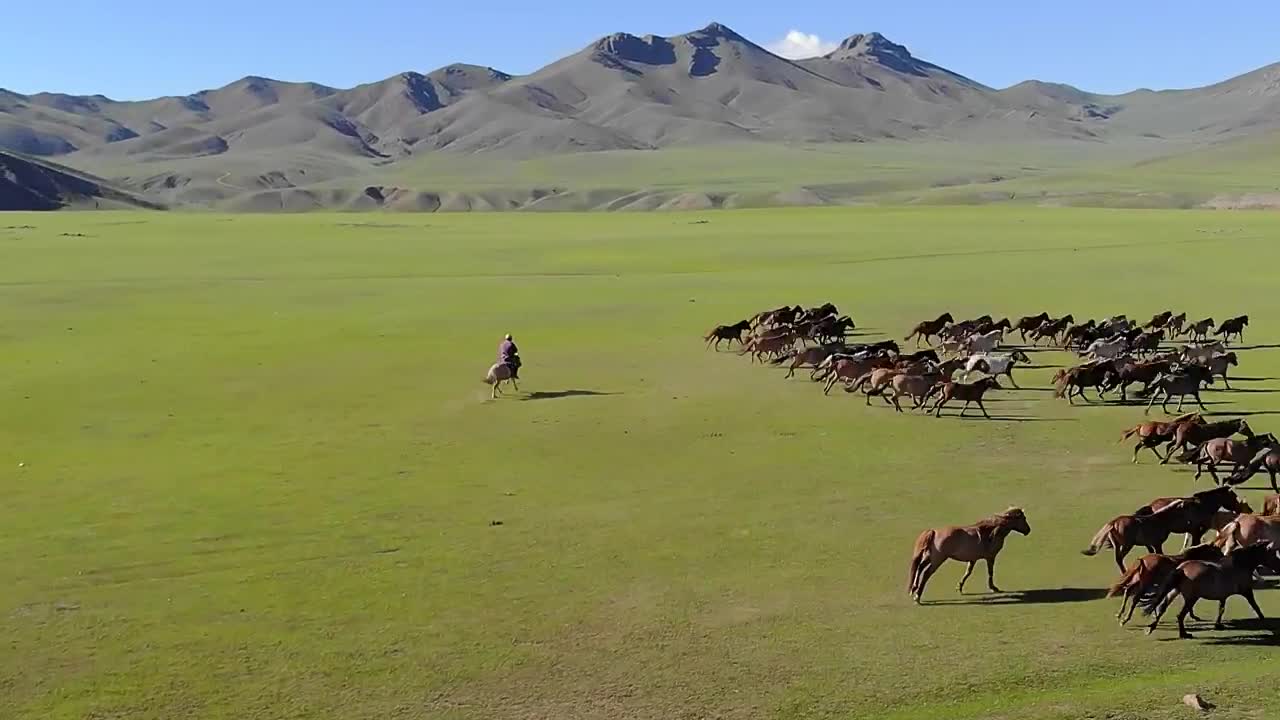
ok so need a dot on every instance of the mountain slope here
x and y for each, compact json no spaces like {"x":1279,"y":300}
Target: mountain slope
{"x":28,"y":184}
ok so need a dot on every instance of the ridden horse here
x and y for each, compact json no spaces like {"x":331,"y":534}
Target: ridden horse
{"x":1200,"y":579}
{"x":1200,"y":330}
{"x":1219,"y":450}
{"x":968,"y":392}
{"x":1176,"y":385}
{"x":971,"y":543}
{"x":1197,"y":514}
{"x":1234,"y":326}
{"x":1029,"y":323}
{"x":732,"y":332}
{"x":1151,"y":571}
{"x":1125,"y":532}
{"x":929,"y":328}
{"x":1195,"y":434}
{"x":1152,"y":433}
{"x":498,"y":374}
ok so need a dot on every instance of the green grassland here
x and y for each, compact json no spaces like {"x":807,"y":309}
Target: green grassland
{"x":250,"y":469}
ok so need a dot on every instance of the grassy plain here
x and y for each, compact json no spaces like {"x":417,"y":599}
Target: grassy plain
{"x":250,"y":470}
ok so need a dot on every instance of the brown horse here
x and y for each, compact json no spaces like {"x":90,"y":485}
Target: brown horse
{"x":1218,"y":365}
{"x":1051,"y":329}
{"x":1200,"y":330}
{"x":1150,"y":434}
{"x":721,"y":333}
{"x":1151,"y":571}
{"x":916,"y":387}
{"x":1271,"y":506}
{"x":1125,"y":532}
{"x":850,"y":369}
{"x":1200,"y":579}
{"x":1234,"y":326}
{"x":929,"y":328}
{"x":1175,"y":325}
{"x":808,"y":357}
{"x":1249,"y":529}
{"x":1220,"y":450}
{"x":1195,"y":434}
{"x":969,"y":544}
{"x":968,"y":392}
{"x":1158,"y":321}
{"x":875,"y":382}
{"x":770,"y":345}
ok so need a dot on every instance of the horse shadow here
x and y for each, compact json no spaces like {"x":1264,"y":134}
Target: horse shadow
{"x":1041,"y":596}
{"x":1256,"y":347}
{"x":565,"y":394}
{"x":1240,"y":413}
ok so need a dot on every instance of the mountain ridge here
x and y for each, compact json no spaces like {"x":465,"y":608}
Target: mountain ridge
{"x":620,"y":92}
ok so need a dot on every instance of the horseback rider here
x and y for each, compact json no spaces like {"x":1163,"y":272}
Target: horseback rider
{"x":509,"y":355}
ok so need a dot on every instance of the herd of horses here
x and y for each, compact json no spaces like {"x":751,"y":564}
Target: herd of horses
{"x":1116,"y":354}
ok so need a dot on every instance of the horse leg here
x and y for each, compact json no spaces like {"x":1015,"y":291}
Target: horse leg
{"x":1248,"y":595}
{"x":1121,"y":551}
{"x":1198,"y":402}
{"x":1213,"y":471}
{"x":925,"y":574}
{"x":1224,"y":380}
{"x":983,"y":408}
{"x":1133,"y":607}
{"x":1009,"y":374}
{"x":968,"y":571}
{"x":1136,"y":448}
{"x":937,"y":407}
{"x":1274,"y":486}
{"x":991,"y":575}
{"x":1187,"y":606}
{"x":964,"y":409}
{"x":1222,"y":609}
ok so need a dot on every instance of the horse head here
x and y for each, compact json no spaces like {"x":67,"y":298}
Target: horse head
{"x":1020,"y":356}
{"x":1244,"y":429}
{"x":1015,"y":519}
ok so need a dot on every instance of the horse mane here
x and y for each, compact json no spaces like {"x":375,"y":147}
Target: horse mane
{"x":1013,"y":513}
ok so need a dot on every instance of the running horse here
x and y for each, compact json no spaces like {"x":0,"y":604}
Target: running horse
{"x":929,"y":328}
{"x":498,"y":374}
{"x":969,"y":544}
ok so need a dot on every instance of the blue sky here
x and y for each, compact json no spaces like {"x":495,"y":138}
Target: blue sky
{"x":129,"y":50}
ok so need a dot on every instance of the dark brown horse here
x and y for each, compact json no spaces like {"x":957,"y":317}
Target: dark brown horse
{"x":1234,"y":326}
{"x":1193,"y":435}
{"x":1029,"y":323}
{"x":1199,"y":330}
{"x":1152,"y":571}
{"x":968,"y":392}
{"x":929,"y":328}
{"x":1178,"y":385}
{"x":1152,"y":433}
{"x":1268,"y":459}
{"x":1157,"y":322}
{"x":730,"y":333}
{"x":1129,"y":372}
{"x":1073,"y":381}
{"x":1175,"y":325}
{"x":981,"y":541}
{"x":1197,"y":514}
{"x":1125,"y":532}
{"x":1051,"y":329}
{"x":1200,"y":579}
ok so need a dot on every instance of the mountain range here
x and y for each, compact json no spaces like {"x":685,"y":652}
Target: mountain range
{"x":265,"y":144}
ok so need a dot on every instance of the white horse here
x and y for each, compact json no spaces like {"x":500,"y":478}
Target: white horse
{"x":996,"y":364}
{"x":498,"y":374}
{"x":984,"y":343}
{"x":1108,"y":349}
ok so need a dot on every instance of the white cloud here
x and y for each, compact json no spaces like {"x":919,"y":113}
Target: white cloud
{"x":799,"y":45}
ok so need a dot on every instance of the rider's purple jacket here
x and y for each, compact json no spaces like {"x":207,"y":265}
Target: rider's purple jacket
{"x":506,"y":351}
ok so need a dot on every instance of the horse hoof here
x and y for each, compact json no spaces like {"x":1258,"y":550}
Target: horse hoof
{"x":1186,"y":636}
{"x":1219,"y":626}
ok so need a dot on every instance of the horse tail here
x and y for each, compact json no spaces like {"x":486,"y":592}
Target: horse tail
{"x":918,"y":555}
{"x":858,"y":383}
{"x":783,"y":358}
{"x":1101,"y":540}
{"x":1129,"y":576}
{"x":1129,"y":433}
{"x":1152,"y":602}
{"x":913,"y":334}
